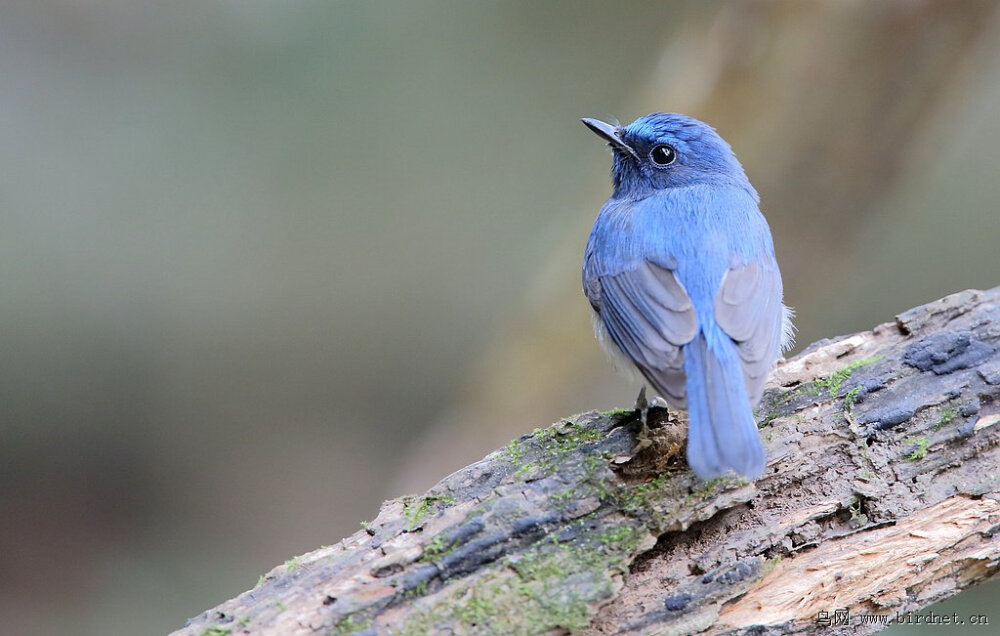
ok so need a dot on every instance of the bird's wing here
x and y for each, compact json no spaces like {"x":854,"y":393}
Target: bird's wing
{"x":648,"y":314}
{"x":748,"y":308}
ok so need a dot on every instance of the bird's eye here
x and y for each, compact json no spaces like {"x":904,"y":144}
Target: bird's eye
{"x":662,"y":155}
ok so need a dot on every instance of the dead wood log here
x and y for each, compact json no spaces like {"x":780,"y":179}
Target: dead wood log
{"x":881,"y":496}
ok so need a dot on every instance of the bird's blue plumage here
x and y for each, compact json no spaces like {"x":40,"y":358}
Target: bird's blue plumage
{"x":681,"y":272}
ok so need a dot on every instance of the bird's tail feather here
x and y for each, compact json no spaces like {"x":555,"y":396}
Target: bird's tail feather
{"x":722,"y":432}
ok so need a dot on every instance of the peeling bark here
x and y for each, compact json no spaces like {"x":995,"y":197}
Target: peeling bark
{"x":881,"y":496}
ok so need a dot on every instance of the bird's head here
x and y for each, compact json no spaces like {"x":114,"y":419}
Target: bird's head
{"x":667,"y":150}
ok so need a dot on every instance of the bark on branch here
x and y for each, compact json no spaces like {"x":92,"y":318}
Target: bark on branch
{"x":882,"y":496}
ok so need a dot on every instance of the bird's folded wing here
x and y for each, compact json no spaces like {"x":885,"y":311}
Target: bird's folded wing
{"x":648,"y":314}
{"x":748,"y":308}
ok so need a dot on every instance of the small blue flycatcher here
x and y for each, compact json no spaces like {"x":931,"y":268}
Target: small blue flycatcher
{"x":680,"y":271}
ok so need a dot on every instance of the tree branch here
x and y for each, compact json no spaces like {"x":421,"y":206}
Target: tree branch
{"x":882,"y":495}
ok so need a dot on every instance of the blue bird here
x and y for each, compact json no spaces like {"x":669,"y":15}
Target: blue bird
{"x":681,"y":274}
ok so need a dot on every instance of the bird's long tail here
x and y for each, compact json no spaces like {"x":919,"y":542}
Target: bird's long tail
{"x":722,"y":433}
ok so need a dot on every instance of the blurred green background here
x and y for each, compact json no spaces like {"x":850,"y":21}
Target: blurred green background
{"x":263,"y":264}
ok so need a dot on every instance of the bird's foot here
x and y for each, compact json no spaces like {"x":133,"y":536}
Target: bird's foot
{"x":642,"y":405}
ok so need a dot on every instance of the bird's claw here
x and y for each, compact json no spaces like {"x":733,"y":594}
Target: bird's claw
{"x":642,"y":405}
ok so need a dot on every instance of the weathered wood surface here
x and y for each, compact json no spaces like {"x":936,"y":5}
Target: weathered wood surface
{"x":882,"y":496}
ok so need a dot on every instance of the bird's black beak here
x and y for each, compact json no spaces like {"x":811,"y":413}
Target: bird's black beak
{"x":612,"y":134}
